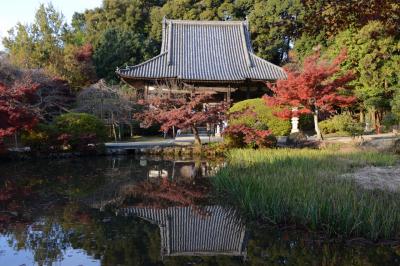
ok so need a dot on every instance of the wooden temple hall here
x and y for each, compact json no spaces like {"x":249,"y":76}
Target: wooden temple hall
{"x":212,"y":56}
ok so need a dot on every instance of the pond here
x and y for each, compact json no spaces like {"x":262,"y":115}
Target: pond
{"x":146,"y":211}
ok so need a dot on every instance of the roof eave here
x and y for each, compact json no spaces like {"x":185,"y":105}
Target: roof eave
{"x":193,"y":80}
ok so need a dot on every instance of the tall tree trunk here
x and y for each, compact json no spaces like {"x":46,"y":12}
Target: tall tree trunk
{"x":197,"y":140}
{"x":377,"y":122}
{"x":362,"y":116}
{"x":316,"y":126}
{"x":114,"y":131}
{"x":131,"y":129}
{"x":16,"y":139}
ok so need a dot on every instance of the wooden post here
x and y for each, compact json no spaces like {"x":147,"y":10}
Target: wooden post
{"x":146,"y":92}
{"x":228,"y":95}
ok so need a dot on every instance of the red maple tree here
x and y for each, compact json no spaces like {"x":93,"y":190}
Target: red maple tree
{"x":318,"y":86}
{"x":16,"y":108}
{"x":183,"y":113}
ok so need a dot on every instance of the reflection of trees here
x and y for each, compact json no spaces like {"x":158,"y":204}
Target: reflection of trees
{"x":165,"y":192}
{"x":13,"y":201}
{"x":48,"y":241}
{"x":41,"y":211}
{"x":270,"y":246}
{"x":114,"y":240}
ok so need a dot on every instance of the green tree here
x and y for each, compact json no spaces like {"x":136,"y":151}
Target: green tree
{"x":39,"y":45}
{"x":374,"y":53}
{"x":274,"y":25}
{"x":21,"y":46}
{"x":117,"y":48}
{"x":119,"y":33}
{"x":78,"y":66}
{"x":51,"y":45}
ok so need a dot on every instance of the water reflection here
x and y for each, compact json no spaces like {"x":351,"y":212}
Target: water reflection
{"x":186,"y":232}
{"x":63,"y":212}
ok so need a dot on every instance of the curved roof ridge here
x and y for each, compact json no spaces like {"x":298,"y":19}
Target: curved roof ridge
{"x":207,"y":22}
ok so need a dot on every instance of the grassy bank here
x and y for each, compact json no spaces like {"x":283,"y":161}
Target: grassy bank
{"x":302,"y":187}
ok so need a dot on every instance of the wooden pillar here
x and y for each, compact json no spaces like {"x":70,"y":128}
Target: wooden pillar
{"x":146,"y":92}
{"x":228,"y":95}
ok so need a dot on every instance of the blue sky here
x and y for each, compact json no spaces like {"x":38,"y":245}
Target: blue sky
{"x":13,"y":11}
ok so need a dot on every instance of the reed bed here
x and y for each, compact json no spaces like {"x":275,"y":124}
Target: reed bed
{"x":306,"y":187}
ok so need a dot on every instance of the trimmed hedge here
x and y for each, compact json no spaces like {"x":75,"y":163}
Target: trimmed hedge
{"x":68,"y":132}
{"x":78,"y":124}
{"x":264,"y":118}
{"x":343,"y":124}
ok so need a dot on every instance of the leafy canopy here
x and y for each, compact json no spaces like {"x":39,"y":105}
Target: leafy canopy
{"x":318,"y":85}
{"x":262,"y":117}
{"x":16,"y":109}
{"x":183,"y":113}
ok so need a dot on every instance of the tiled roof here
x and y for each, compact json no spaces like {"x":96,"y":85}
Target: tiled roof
{"x":205,"y":51}
{"x":184,"y":231}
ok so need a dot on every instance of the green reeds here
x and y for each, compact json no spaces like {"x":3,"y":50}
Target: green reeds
{"x":306,"y":187}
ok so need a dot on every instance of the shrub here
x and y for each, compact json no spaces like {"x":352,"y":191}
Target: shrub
{"x":296,"y":138}
{"x":264,"y":118}
{"x":72,"y":131}
{"x":355,"y":129}
{"x":341,"y":124}
{"x":390,"y":120}
{"x":396,"y":147}
{"x":41,"y":138}
{"x":240,"y":135}
{"x":306,"y":123}
{"x":79,"y":125}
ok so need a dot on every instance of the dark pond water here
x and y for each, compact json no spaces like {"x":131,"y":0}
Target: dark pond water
{"x":145,"y":211}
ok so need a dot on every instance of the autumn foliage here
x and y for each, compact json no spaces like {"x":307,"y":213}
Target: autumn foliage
{"x":337,"y":15}
{"x":166,"y":192}
{"x":318,"y":86}
{"x":16,"y":109}
{"x":243,"y":135}
{"x":182,"y":113}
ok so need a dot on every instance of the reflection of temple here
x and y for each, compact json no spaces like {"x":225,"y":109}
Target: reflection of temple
{"x":185,"y":232}
{"x":124,"y":176}
{"x":181,"y":169}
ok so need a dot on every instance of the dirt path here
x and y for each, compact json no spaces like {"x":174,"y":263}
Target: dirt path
{"x":384,"y":178}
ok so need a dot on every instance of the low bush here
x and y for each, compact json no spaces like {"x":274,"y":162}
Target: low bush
{"x":306,"y":123}
{"x":296,"y":139}
{"x":40,"y":139}
{"x":307,"y":187}
{"x":396,"y":147}
{"x":390,"y":121}
{"x":263,"y":118}
{"x":240,"y":135}
{"x":81,"y":124}
{"x":71,"y":131}
{"x":342,"y":124}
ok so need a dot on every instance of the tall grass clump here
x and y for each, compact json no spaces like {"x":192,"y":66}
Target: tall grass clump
{"x":306,"y":187}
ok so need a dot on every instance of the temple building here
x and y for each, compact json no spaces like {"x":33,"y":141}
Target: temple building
{"x":212,"y":56}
